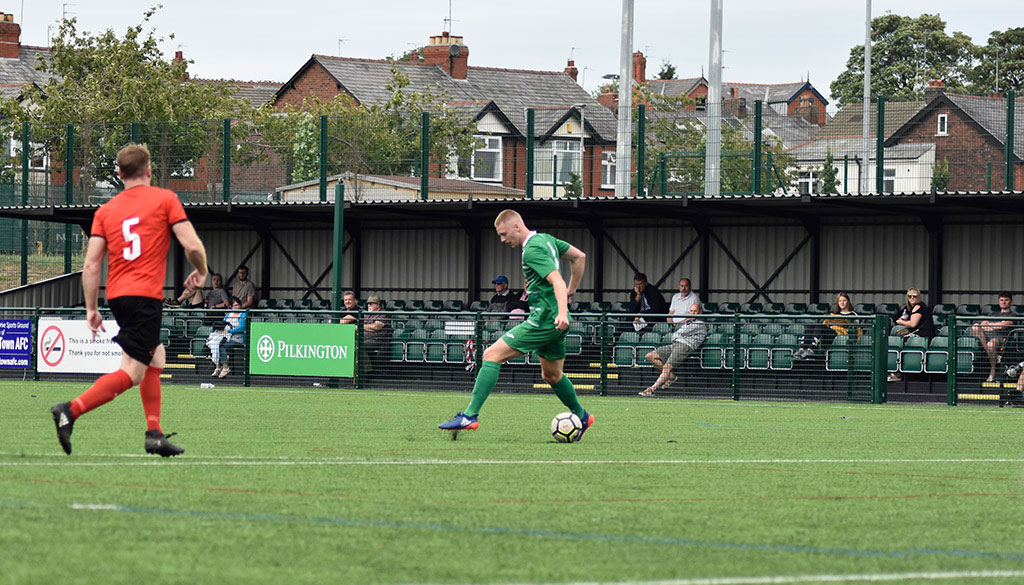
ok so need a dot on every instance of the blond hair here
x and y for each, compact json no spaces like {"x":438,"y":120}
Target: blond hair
{"x":506,"y":216}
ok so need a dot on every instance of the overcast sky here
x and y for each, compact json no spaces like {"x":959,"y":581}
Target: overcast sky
{"x":775,"y":41}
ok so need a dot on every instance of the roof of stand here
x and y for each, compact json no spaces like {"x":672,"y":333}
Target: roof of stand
{"x":793,"y":207}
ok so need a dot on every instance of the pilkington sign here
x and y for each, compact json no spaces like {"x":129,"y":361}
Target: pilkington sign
{"x":302,"y":349}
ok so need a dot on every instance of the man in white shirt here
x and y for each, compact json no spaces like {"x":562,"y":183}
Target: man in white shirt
{"x":681,"y":302}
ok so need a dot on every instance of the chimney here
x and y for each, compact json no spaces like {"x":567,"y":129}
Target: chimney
{"x":448,"y":52}
{"x":178,"y":58}
{"x":10,"y":37}
{"x":639,"y":68}
{"x":734,"y":92}
{"x":609,"y":100}
{"x":936,"y":87}
{"x":571,"y":70}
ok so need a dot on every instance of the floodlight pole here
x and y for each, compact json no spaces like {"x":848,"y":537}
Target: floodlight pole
{"x":624,"y":133}
{"x":713,"y":106}
{"x":866,"y":122}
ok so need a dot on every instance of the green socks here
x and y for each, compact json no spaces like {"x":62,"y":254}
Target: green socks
{"x":565,"y":392}
{"x":486,"y":378}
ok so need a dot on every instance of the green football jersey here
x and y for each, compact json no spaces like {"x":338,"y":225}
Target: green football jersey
{"x":541,"y":255}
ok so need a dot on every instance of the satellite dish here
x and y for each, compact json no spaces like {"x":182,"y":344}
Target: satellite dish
{"x":455,"y":50}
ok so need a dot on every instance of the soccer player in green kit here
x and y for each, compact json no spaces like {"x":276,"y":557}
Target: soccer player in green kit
{"x":544,"y":329}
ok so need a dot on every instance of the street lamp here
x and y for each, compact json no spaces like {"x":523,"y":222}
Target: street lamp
{"x":583,"y":145}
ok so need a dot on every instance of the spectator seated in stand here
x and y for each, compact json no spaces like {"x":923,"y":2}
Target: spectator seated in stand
{"x":245,"y":290}
{"x":218,"y":297}
{"x":686,"y":339}
{"x":348,"y":300}
{"x":821,"y":335}
{"x":235,"y":327}
{"x":190,"y":298}
{"x":679,"y":308}
{"x":646,"y":298}
{"x":505,"y":299}
{"x":915,"y":320}
{"x":992,"y":332}
{"x":376,"y":334}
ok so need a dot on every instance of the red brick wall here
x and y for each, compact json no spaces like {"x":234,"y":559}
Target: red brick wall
{"x":315,"y":80}
{"x":968,"y":150}
{"x":801,"y":106}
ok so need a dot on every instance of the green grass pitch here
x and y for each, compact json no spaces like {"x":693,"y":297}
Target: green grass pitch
{"x":297,"y":486}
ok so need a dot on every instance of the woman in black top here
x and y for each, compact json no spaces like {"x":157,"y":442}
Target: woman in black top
{"x":917,"y":316}
{"x":917,"y":319}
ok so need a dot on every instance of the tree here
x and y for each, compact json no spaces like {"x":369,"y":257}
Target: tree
{"x":382,"y":139}
{"x":574,"y":188}
{"x":905,"y":53}
{"x":667,"y":71}
{"x":940,"y":175}
{"x":828,"y":177}
{"x":1001,"y":63}
{"x":678,"y":136}
{"x":104,"y":82}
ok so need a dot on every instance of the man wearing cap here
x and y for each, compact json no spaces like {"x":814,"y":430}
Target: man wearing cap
{"x":505,"y":299}
{"x":376,"y":332}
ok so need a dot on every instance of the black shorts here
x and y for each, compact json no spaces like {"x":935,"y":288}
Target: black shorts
{"x":139,"y":320}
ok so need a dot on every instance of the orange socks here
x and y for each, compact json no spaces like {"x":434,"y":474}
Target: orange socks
{"x":105,"y":389}
{"x":149,"y":390}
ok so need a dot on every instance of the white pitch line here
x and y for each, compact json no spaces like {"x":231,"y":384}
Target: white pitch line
{"x":790,"y":579}
{"x":136,"y":460}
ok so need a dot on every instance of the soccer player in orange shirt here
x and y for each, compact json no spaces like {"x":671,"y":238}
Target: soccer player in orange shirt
{"x":134,"y":229}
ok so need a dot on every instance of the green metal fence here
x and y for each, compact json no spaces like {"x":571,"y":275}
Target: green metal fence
{"x":949,"y":142}
{"x":762,"y":356}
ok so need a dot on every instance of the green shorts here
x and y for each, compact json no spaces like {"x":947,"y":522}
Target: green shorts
{"x":546,"y":342}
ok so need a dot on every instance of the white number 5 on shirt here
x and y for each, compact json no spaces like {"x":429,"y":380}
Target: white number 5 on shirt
{"x":133,"y":249}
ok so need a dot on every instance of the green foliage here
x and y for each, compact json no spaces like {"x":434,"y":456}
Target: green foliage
{"x":905,"y":53}
{"x":103,"y":82}
{"x":574,"y":188}
{"x":1001,"y":63}
{"x":667,"y":71}
{"x":414,"y":55}
{"x":382,"y":139}
{"x":680,"y":137}
{"x":940,"y":175}
{"x":828,"y":177}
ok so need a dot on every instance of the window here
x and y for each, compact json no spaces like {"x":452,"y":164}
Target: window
{"x":608,"y":170}
{"x":889,"y":181}
{"x":942,"y":125}
{"x":484,"y":164}
{"x":568,"y":153}
{"x":702,"y":102}
{"x":808,"y":182}
{"x":38,"y":158}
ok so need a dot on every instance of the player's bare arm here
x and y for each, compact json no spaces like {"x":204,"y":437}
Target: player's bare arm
{"x":94,"y":255}
{"x":577,"y":262}
{"x":194,"y":251}
{"x":562,"y":297}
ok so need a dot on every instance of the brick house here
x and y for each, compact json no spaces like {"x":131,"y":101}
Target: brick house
{"x":969,"y":132}
{"x":568,"y":123}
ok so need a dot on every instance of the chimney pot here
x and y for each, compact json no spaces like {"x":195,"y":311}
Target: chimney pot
{"x":639,"y":68}
{"x":10,"y":37}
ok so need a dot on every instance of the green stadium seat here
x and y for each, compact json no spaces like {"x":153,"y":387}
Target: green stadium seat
{"x":478,"y":306}
{"x":416,"y":305}
{"x":165,"y":335}
{"x":937,"y":356}
{"x":198,"y":347}
{"x":455,"y":353}
{"x":895,"y":343}
{"x":759,"y":352}
{"x":750,"y":328}
{"x":453,"y":306}
{"x":774,"y":308}
{"x":573,"y":344}
{"x":396,"y":305}
{"x":796,"y":329}
{"x":623,"y":306}
{"x":624,"y":355}
{"x":304,"y":304}
{"x":968,"y":310}
{"x":600,"y":306}
{"x":712,"y":358}
{"x":710,"y":307}
{"x":286,"y":304}
{"x":774,"y":329}
{"x":433,"y":305}
{"x":750,"y":308}
{"x":887,"y":308}
{"x":629,"y":338}
{"x":579,"y":307}
{"x":662,"y":327}
{"x":944,"y":309}
{"x":912,"y":355}
{"x":987,"y":309}
{"x":192,"y":326}
{"x":796,"y":308}
{"x":433,"y":324}
{"x":782,"y":351}
{"x":436,"y":352}
{"x":864,"y":308}
{"x":265,"y":304}
{"x":728,"y":308}
{"x":438,"y":334}
{"x":818,"y":309}
{"x":397,"y":349}
{"x":203,"y":332}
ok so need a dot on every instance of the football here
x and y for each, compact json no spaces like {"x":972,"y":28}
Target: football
{"x":566,"y":427}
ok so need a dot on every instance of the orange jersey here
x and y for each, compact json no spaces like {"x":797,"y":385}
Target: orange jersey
{"x":137,"y":227}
